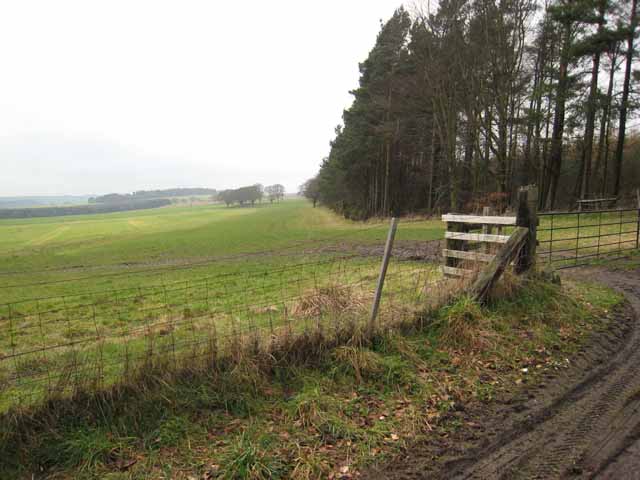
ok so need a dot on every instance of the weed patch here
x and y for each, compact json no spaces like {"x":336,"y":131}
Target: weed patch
{"x":247,"y":458}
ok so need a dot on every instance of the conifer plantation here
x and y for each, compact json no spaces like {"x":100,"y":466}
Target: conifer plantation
{"x":459,"y":106}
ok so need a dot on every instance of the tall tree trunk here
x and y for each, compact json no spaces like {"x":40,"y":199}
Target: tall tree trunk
{"x":579,"y":153}
{"x":545,"y":174}
{"x":607,"y":152}
{"x":502,"y":146}
{"x":466,"y":182}
{"x":625,"y":100}
{"x":387,"y":169}
{"x":487,"y":146}
{"x":535,"y":162}
{"x":591,"y":110}
{"x":513,"y":146}
{"x":555,"y":159}
{"x":604,"y":125}
{"x":533,"y":121}
{"x":451,"y":161}
{"x":432,"y":168}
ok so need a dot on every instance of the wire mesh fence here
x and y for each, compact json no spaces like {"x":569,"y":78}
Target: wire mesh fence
{"x":52,"y":346}
{"x":195,"y":313}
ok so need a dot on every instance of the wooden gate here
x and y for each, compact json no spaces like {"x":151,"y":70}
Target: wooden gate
{"x":484,"y":245}
{"x":470,"y":241}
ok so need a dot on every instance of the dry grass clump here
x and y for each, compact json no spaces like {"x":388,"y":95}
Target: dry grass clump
{"x":443,"y":292}
{"x":508,"y":287}
{"x":399,"y":344}
{"x":365,"y":363}
{"x":331,"y":299}
{"x":464,"y":325}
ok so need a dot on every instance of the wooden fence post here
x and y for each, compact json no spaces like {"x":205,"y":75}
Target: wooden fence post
{"x":383,"y":272}
{"x":527,"y":216}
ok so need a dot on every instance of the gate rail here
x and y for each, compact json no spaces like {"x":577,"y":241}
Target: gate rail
{"x":572,"y":239}
{"x":476,"y":249}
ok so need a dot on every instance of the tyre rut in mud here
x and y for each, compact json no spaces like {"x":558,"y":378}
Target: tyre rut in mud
{"x":585,"y":423}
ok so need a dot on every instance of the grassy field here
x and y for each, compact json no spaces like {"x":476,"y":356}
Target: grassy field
{"x":352,"y":406}
{"x":88,"y":299}
{"x":36,"y":252}
{"x":66,"y":255}
{"x":151,"y":300}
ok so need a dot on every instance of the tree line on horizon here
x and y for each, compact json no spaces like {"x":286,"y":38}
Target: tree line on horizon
{"x":243,"y":195}
{"x":89,"y":209}
{"x":251,"y":194}
{"x":462,"y":105}
{"x":151,"y":194}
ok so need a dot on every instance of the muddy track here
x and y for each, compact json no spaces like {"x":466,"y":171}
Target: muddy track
{"x":430,"y":250}
{"x":584,"y":424}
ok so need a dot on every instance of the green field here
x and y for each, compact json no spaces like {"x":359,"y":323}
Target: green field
{"x":89,"y":302}
{"x":44,"y":250}
{"x":86,"y":298}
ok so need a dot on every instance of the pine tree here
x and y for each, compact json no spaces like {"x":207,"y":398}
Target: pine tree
{"x":457,"y":107}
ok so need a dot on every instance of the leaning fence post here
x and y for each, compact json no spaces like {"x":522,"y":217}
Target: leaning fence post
{"x":527,"y":216}
{"x":383,"y":272}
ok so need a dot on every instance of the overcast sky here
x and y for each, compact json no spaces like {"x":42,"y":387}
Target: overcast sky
{"x":103,"y":96}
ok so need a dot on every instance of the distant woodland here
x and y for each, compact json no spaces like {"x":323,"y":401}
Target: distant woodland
{"x":152,"y":194}
{"x":83,"y":209}
{"x":113,"y":202}
{"x":459,"y":106}
{"x":42,"y":201}
{"x":142,"y":199}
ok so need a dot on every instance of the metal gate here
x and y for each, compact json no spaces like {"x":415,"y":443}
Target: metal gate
{"x":571,"y":239}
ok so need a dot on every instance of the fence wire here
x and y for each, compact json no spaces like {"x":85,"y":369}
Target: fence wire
{"x":572,"y":239}
{"x":53,"y":346}
{"x":56,"y":345}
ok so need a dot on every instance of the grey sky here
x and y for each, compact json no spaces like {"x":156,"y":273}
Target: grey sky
{"x":101,"y":96}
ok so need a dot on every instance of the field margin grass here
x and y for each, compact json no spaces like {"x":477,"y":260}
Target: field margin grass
{"x":319,"y":409}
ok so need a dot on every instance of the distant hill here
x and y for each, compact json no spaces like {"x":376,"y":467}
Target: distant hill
{"x":43,"y":201}
{"x":152,"y":194}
